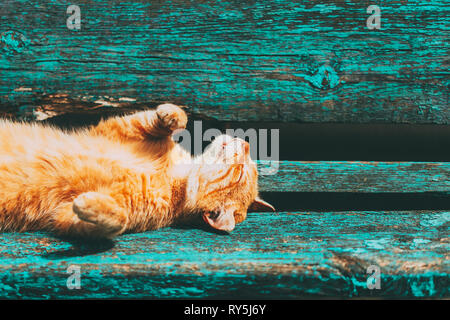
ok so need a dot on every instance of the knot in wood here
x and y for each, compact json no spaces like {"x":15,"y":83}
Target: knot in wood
{"x":324,"y":78}
{"x":13,"y":42}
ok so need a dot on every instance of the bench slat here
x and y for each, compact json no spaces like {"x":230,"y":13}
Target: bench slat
{"x":270,"y":255}
{"x":354,"y":176}
{"x":228,"y":60}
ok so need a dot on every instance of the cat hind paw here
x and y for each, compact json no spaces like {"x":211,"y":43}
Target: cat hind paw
{"x":100,"y":210}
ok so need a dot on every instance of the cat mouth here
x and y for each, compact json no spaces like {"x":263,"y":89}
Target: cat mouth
{"x":235,"y":151}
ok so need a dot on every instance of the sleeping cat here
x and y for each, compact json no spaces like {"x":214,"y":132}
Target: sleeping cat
{"x":125,"y":174}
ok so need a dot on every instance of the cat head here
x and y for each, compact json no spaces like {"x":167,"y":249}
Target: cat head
{"x":226,"y":183}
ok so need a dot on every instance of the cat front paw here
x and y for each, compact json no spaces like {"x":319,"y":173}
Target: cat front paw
{"x":171,"y":117}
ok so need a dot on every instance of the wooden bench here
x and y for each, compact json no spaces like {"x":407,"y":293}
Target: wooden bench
{"x":310,"y":69}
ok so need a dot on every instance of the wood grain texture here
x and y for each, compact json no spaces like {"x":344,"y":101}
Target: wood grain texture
{"x":269,"y":256}
{"x":229,"y":60}
{"x":354,"y":176}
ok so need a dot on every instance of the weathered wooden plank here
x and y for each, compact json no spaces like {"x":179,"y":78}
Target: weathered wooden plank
{"x":230,"y":60}
{"x":270,"y":255}
{"x":354,"y":176}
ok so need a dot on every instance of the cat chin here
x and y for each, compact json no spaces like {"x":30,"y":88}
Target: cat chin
{"x":192,"y":186}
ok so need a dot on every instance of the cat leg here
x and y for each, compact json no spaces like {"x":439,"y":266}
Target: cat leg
{"x":91,"y":215}
{"x":145,"y":125}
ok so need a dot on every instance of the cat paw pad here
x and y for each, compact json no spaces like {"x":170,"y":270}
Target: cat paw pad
{"x":172,"y":117}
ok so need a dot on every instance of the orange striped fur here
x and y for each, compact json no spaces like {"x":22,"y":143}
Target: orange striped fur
{"x":124,"y":175}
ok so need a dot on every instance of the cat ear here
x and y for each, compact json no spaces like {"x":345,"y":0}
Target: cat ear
{"x":223,"y":220}
{"x":259,"y":205}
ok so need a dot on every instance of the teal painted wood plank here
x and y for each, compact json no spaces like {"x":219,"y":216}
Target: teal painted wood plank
{"x":270,"y":255}
{"x":354,"y":176}
{"x":230,"y":60}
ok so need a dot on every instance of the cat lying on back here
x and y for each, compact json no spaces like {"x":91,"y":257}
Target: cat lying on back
{"x":124,"y":175}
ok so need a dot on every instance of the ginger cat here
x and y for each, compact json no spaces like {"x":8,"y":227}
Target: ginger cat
{"x":125,"y":174}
